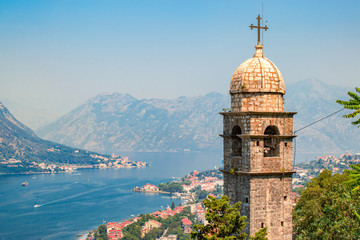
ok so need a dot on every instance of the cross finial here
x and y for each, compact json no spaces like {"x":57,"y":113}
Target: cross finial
{"x":259,"y":28}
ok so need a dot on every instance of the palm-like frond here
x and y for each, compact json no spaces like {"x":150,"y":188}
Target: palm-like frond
{"x":354,"y":175}
{"x":354,"y":96}
{"x":356,"y":168}
{"x":352,"y":115}
{"x":353,"y":104}
{"x":357,"y":122}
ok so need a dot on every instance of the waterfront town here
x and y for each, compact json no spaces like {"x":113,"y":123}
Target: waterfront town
{"x":306,"y":171}
{"x":194,"y":187}
{"x":113,"y":161}
{"x":191,"y":188}
{"x":180,"y":218}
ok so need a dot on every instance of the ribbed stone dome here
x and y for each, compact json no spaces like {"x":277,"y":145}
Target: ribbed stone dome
{"x":257,"y":74}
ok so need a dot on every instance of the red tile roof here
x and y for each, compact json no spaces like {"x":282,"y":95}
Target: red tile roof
{"x":186,"y":221}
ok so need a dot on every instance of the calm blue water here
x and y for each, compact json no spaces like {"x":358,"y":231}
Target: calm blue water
{"x":71,"y":203}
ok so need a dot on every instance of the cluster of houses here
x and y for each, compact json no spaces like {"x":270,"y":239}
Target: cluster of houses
{"x":117,"y":162}
{"x":149,"y":188}
{"x":12,"y":162}
{"x":115,"y":229}
{"x":168,"y":212}
{"x":47,"y":167}
{"x":306,"y":171}
{"x":104,"y":162}
{"x":206,"y":183}
{"x":148,"y":226}
{"x":199,"y":211}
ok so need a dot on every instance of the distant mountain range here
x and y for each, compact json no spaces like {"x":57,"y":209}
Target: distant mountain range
{"x":313,"y":100}
{"x":118,"y":122}
{"x":114,"y":123}
{"x":20,"y":148}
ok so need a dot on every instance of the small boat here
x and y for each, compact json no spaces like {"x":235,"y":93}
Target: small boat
{"x":36,"y":205}
{"x":24,"y":184}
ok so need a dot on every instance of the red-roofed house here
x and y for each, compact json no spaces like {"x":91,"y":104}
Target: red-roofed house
{"x":157,"y":214}
{"x":148,"y":226}
{"x":150,"y":187}
{"x":125,"y":223}
{"x":114,"y":234}
{"x":167,"y":213}
{"x":113,"y":225}
{"x":186,"y":224}
{"x":114,"y":231}
{"x":179,"y":209}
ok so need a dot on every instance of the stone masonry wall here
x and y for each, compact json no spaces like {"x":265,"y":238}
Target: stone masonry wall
{"x":237,"y":188}
{"x":262,"y":102}
{"x":253,"y":148}
{"x":271,"y":206}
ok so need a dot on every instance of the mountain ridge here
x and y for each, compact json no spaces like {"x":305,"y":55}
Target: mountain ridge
{"x":21,"y":150}
{"x":114,"y":123}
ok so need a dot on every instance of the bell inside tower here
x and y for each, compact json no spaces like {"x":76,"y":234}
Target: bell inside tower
{"x":271,"y":143}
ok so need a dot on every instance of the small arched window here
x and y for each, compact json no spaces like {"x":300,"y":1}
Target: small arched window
{"x":236,"y":141}
{"x":271,"y":144}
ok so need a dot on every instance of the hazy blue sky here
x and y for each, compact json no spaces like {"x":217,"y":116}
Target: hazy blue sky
{"x":57,"y":54}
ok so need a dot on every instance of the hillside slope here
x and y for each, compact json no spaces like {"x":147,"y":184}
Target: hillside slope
{"x":19,"y":147}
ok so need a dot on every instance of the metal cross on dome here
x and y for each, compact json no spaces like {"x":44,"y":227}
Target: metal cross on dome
{"x":258,"y":27}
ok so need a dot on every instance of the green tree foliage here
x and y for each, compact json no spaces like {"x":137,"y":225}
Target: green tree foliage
{"x":171,"y":223}
{"x":133,"y":231}
{"x":171,"y":187}
{"x":154,"y":234}
{"x":326,"y":209}
{"x":353,"y":104}
{"x":225,"y":222}
{"x":129,"y":236}
{"x":354,"y":175}
{"x":102,"y":232}
{"x":210,"y":173}
{"x":354,"y":182}
{"x":202,"y":194}
{"x":172,"y":205}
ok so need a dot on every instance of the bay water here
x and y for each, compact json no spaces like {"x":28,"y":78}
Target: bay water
{"x":72,"y":203}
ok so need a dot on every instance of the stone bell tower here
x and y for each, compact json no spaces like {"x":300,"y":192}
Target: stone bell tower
{"x":258,"y":134}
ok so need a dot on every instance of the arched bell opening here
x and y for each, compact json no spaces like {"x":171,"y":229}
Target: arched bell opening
{"x":271,"y":144}
{"x":236,"y":141}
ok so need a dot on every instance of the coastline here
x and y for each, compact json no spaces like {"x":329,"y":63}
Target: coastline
{"x":149,"y":191}
{"x":74,"y":170}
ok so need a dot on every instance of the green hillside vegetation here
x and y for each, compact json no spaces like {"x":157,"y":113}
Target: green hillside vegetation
{"x":210,"y":173}
{"x":171,"y":187}
{"x":328,"y":209}
{"x":225,"y":222}
{"x":172,"y":224}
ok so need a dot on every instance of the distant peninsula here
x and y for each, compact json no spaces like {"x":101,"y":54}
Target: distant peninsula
{"x":22,"y":152}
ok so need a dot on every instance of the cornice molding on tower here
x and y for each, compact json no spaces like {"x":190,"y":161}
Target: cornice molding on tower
{"x":255,"y":113}
{"x":278,"y":173}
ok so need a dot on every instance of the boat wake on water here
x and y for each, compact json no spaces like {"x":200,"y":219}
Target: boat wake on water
{"x":76,"y":195}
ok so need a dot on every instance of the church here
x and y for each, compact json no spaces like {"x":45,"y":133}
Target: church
{"x":258,"y":146}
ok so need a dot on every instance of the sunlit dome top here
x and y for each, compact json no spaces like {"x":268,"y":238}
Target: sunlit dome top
{"x":257,"y":74}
